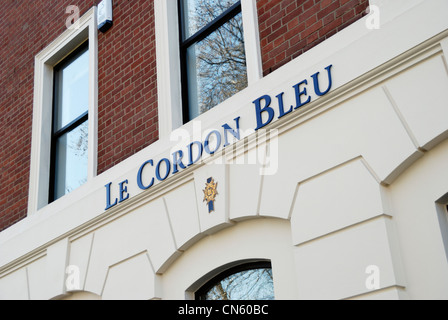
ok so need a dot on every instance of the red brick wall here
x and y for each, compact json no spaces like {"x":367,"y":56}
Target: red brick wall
{"x":289,"y":28}
{"x":128,"y":119}
{"x":127,"y":87}
{"x":26,"y":28}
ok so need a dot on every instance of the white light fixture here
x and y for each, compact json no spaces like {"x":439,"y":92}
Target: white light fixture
{"x":105,"y":15}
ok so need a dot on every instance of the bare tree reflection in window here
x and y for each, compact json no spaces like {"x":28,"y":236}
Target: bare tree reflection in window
{"x":255,"y":284}
{"x":72,"y":162}
{"x":220,"y":57}
{"x":79,"y":146}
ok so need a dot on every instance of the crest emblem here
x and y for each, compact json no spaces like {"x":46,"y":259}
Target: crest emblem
{"x":210,"y":193}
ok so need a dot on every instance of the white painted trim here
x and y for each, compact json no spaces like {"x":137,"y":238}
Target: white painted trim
{"x":43,"y":100}
{"x":252,"y":41}
{"x":168,"y":66}
{"x":93,"y":96}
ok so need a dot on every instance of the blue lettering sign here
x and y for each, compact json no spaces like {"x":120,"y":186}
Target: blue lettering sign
{"x":140,"y":179}
{"x":264,"y":114}
{"x":263,"y":104}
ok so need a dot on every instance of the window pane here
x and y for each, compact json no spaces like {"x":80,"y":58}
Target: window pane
{"x":72,"y":89}
{"x":216,"y":67}
{"x":255,"y":284}
{"x":71,"y":160}
{"x":199,"y":13}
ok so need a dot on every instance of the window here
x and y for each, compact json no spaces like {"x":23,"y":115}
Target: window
{"x":69,"y":143}
{"x":252,"y":281}
{"x":65,"y":114}
{"x":442,"y":216}
{"x":212,"y":50}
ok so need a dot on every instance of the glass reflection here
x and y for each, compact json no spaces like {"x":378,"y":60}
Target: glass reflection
{"x":71,"y":160}
{"x":216,"y":67}
{"x":254,"y":284}
{"x":72,"y":89}
{"x":199,"y":13}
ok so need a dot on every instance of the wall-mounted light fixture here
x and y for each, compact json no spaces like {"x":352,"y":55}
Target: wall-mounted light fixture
{"x":105,"y":15}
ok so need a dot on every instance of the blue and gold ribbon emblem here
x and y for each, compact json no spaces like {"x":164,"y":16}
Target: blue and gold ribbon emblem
{"x":210,"y":193}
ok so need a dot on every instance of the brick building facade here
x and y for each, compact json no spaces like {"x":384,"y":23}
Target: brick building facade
{"x":294,"y":49}
{"x":127,"y":95}
{"x":127,"y":73}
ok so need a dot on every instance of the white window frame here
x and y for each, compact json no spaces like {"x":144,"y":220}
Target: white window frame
{"x":442,"y":215}
{"x":168,"y":59}
{"x":85,"y":29}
